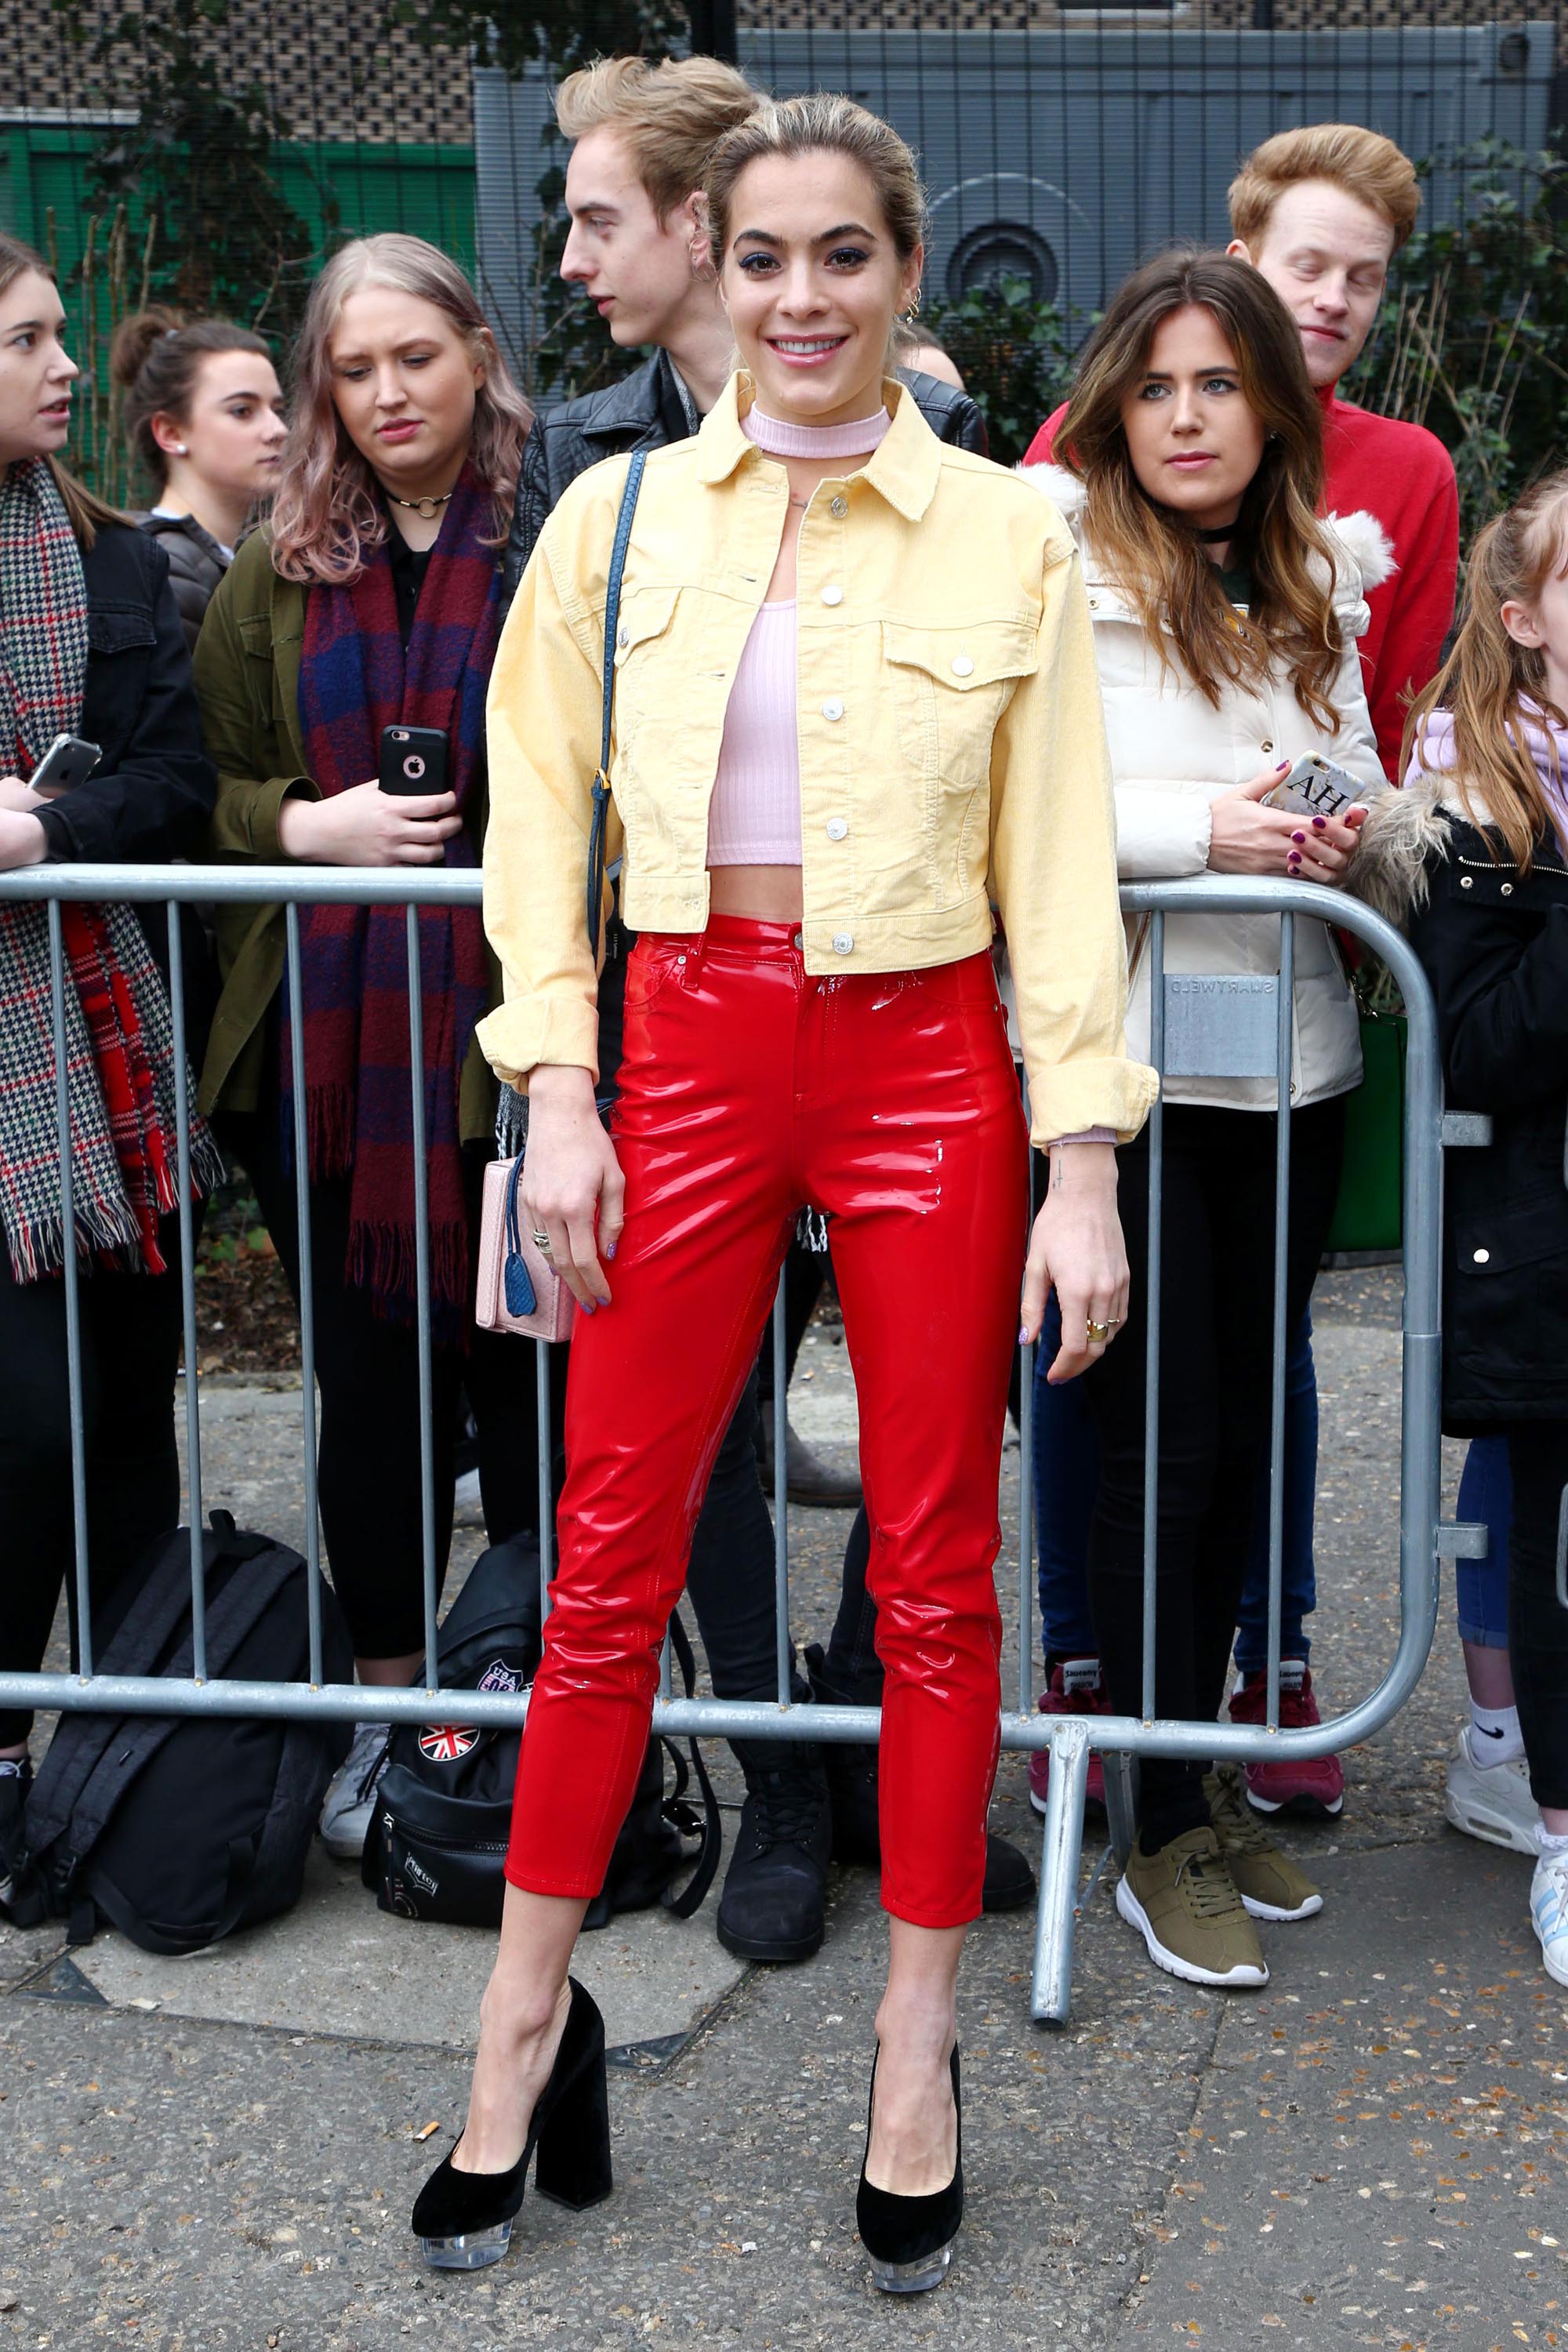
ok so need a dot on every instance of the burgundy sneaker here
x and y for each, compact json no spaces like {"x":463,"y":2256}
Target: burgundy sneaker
{"x":1075,"y":1689}
{"x":1314,"y":1785}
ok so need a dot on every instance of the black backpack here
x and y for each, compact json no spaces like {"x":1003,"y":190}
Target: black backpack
{"x":438,"y":1840}
{"x":179,"y":1829}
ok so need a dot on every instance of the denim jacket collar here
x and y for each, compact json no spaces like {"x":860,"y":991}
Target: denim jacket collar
{"x":904,"y":470}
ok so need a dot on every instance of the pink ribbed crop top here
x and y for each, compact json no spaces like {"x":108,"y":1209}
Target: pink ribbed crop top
{"x":754,"y":817}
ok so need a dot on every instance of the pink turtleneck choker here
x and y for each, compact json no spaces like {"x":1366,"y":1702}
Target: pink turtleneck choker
{"x":782,"y":440}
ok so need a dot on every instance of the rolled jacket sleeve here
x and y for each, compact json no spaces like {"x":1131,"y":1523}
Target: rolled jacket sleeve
{"x":1053,"y":864}
{"x":544,"y":722}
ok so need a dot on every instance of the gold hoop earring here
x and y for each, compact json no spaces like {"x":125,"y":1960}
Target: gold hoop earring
{"x":912,"y":313}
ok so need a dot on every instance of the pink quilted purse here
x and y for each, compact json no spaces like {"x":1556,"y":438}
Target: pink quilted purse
{"x":519,"y":1290}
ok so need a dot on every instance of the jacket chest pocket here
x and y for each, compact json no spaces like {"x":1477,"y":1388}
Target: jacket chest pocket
{"x":121,"y":639}
{"x":646,"y":714}
{"x":950,"y":688}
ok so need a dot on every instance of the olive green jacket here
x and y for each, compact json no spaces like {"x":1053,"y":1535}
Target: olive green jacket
{"x":247,"y":668}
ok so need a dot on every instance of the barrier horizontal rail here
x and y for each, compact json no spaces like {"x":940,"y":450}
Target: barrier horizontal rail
{"x":1422,"y":1537}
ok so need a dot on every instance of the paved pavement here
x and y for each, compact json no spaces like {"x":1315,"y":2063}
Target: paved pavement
{"x":221,"y":2152}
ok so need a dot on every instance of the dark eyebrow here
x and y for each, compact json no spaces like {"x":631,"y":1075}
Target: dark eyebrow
{"x":18,"y":326}
{"x":828,"y":237}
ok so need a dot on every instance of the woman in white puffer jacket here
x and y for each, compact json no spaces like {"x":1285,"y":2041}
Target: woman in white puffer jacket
{"x":1225,"y":621}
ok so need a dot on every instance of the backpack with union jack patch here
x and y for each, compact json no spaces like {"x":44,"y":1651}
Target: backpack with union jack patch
{"x":438,"y":1839}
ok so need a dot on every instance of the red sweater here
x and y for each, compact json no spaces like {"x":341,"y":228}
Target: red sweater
{"x":1403,"y":476}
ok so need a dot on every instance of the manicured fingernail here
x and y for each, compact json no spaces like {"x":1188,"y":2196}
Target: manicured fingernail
{"x":1297,"y":836}
{"x":1022,"y":1337}
{"x":611,"y":1251}
{"x":587,"y":1307}
{"x":1320,"y":823}
{"x":1292,"y":863}
{"x":1279,"y":771}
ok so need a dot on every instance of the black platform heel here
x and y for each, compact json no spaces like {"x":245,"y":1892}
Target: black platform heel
{"x":909,"y":2239}
{"x":463,"y":2220}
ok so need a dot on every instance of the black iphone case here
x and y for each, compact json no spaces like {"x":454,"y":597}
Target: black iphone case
{"x":412,"y":761}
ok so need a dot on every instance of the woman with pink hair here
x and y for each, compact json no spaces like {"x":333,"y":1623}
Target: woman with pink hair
{"x":371,"y":598}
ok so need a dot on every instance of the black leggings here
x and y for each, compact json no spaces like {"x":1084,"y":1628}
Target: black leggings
{"x":367,"y":1372}
{"x":1216,"y":1294}
{"x":1537,"y":1620}
{"x":130,"y":1355}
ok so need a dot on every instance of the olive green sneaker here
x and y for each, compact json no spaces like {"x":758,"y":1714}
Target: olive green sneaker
{"x":1267,"y":1881}
{"x":1189,"y":1914}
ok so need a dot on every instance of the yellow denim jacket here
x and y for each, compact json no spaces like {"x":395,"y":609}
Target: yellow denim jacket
{"x":952,"y":745}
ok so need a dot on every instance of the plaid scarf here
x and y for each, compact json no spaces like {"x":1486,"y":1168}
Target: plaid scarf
{"x":120,"y":1053}
{"x":355,"y":677}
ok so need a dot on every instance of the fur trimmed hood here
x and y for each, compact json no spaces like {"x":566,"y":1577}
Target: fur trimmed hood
{"x":1362,"y":550}
{"x":1402,"y":832}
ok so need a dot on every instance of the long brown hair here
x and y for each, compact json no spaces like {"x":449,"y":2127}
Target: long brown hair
{"x":325,"y":513}
{"x":87,"y":513}
{"x":1157,"y":558}
{"x":1489,"y":675}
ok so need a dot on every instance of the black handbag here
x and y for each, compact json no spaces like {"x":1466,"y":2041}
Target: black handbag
{"x":437,"y":1847}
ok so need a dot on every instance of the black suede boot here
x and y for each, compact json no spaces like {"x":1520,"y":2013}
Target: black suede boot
{"x":772,"y":1906}
{"x":852,"y":1780}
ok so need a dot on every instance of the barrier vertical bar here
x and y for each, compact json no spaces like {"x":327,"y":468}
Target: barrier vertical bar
{"x":546,"y":1480}
{"x":1151,"y":1307}
{"x":780,"y":1493}
{"x":1061,"y":1844}
{"x":187,"y":1292}
{"x":422,"y":1289}
{"x":72,"y":1284}
{"x":1283,"y":1064}
{"x":307,"y":1279}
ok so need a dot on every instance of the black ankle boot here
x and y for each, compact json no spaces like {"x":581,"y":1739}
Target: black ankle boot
{"x":851,"y":1773}
{"x":464,"y":2218}
{"x":909,"y":2239}
{"x":771,"y":1907}
{"x":852,"y":1782}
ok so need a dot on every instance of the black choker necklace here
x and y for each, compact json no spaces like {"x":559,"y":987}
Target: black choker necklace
{"x":428,"y":509}
{"x":1215,"y":537}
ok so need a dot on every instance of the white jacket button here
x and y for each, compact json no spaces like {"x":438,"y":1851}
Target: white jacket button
{"x":838,"y":508}
{"x":1483,"y":1257}
{"x":833,"y":596}
{"x":833,"y":709}
{"x":842,"y":943}
{"x":837,"y":828}
{"x":962,"y":667}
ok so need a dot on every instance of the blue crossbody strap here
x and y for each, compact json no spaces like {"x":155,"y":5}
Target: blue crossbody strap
{"x":598,"y":828}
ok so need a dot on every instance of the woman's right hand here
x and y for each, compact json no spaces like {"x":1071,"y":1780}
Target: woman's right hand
{"x":1247,"y":839}
{"x":366,"y":827}
{"x":572,"y":1186}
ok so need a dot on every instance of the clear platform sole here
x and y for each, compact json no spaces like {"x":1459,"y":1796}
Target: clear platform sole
{"x":911,"y":2278}
{"x":472,"y":2251}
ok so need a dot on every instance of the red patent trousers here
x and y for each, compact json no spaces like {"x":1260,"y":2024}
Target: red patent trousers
{"x":748,"y":1091}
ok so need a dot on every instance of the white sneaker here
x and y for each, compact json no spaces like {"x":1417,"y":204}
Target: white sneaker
{"x":1548,"y":1912}
{"x":1491,"y":1800}
{"x":350,"y":1800}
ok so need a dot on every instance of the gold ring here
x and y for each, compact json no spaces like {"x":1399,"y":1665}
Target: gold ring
{"x":1100,"y":1332}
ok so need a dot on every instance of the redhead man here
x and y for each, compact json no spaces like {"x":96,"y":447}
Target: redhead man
{"x":1321,"y":212}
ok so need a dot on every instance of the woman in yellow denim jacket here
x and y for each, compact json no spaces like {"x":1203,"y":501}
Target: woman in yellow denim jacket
{"x":854,"y":701}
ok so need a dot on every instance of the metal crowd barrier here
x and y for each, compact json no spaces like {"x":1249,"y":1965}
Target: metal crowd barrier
{"x":1216,"y":1025}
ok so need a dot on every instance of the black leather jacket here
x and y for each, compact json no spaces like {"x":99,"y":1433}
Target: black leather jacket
{"x":645,"y":411}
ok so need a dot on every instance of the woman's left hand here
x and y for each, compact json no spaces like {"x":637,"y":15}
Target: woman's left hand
{"x":1076,"y":1250}
{"x":1322,"y":848}
{"x":23,"y":841}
